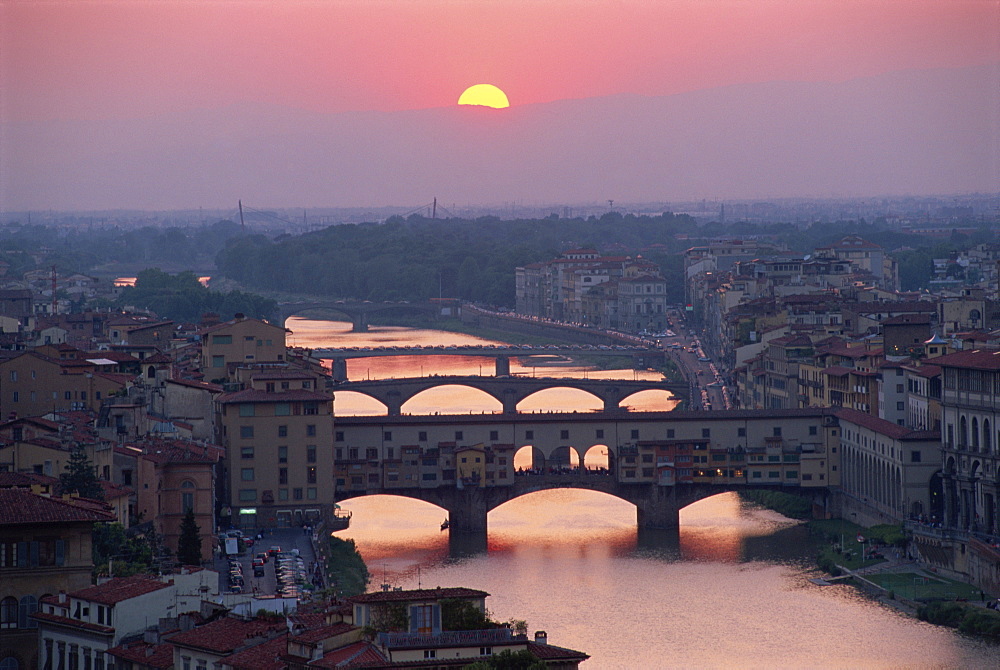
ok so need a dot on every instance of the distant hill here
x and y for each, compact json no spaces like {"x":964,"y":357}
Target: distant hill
{"x":912,"y":132}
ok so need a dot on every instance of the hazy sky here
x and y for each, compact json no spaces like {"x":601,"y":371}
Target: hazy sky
{"x":124,"y":59}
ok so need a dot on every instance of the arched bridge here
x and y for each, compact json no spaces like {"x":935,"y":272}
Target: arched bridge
{"x":357,"y":311}
{"x":509,"y":391}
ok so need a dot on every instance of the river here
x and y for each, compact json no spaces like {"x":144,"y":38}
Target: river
{"x":730,"y":589}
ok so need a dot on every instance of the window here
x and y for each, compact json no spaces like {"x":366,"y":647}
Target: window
{"x":218,"y":361}
{"x":25,"y":609}
{"x":8,"y":612}
{"x":246,"y":409}
{"x":282,"y":431}
{"x":282,"y":494}
{"x":311,"y":430}
{"x":310,"y":408}
{"x":741,"y":432}
{"x":706,"y":432}
{"x":283,"y":409}
{"x":813,"y":430}
{"x":282,"y":476}
{"x":899,"y":405}
{"x":371,"y":454}
{"x":246,"y":432}
{"x":635,"y":434}
{"x":311,"y":492}
{"x":670,"y":433}
{"x":246,"y":452}
{"x":187,"y":501}
{"x":311,"y":474}
{"x":339,"y":436}
{"x":777,"y":431}
{"x":459,"y":435}
{"x":246,"y":474}
{"x":529,"y":434}
{"x":311,"y":453}
{"x":563,"y":434}
{"x":494,"y":435}
{"x":387,"y":435}
{"x":222,"y":339}
{"x":915,"y":456}
{"x":599,"y":434}
{"x":430,"y":653}
{"x":127,"y":477}
{"x":297,"y":494}
{"x":283,"y":454}
{"x":422,"y":436}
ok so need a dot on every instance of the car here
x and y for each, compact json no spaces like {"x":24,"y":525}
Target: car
{"x":258,"y":571}
{"x":274,"y":550}
{"x":257,"y":563}
{"x":263,"y":556}
{"x":704,"y":359}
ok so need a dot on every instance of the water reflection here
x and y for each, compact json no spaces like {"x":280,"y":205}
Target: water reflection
{"x":456,"y":399}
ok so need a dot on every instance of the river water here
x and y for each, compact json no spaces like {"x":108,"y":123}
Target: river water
{"x":731,"y":589}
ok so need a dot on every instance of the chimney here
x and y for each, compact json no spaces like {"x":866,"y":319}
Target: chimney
{"x":62,"y":596}
{"x":541,"y":637}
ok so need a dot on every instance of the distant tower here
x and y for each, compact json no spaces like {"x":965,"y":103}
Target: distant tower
{"x":722,"y":213}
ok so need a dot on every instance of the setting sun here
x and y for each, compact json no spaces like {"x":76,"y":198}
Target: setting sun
{"x":486,"y":95}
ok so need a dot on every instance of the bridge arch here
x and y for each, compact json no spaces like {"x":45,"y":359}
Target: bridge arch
{"x":578,"y":399}
{"x":598,"y":457}
{"x":651,"y":399}
{"x":369,"y":405}
{"x":445,"y":399}
{"x":529,"y":457}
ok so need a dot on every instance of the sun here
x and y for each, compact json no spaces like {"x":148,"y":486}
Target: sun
{"x":486,"y":95}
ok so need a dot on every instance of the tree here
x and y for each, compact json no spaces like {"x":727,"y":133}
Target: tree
{"x":189,"y":544}
{"x":81,"y":476}
{"x":124,"y":552}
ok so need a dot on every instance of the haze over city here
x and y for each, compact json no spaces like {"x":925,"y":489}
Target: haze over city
{"x":177,"y":105}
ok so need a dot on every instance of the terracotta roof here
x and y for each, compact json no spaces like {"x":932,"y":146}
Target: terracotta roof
{"x":293,"y":395}
{"x":550,"y":652}
{"x":837,"y":371}
{"x":215,"y":388}
{"x":885,"y":427}
{"x":178,"y":451}
{"x":322,"y":632}
{"x":145,"y":654}
{"x":357,"y":655}
{"x":120,"y":588}
{"x":977,"y":359}
{"x":24,"y":480}
{"x":75,"y":623}
{"x":224,"y":636}
{"x":20,"y":506}
{"x":264,"y":656}
{"x":906,"y":319}
{"x":417,"y":595}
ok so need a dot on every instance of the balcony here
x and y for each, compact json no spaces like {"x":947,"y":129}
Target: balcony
{"x":449,"y":638}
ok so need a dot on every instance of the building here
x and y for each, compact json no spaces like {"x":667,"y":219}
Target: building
{"x":890,"y":472}
{"x":177,"y":476}
{"x":76,"y":629}
{"x":421,"y":635}
{"x":279,"y":457}
{"x":240,"y":342}
{"x":45,"y":549}
{"x":970,"y":415}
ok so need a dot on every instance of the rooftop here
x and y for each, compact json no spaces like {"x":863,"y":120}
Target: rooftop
{"x":21,"y":506}
{"x":120,"y":588}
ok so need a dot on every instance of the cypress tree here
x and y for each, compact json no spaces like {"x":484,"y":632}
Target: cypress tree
{"x":81,"y":476}
{"x":189,"y":543}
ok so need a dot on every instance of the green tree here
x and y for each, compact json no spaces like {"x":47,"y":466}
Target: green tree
{"x":346,"y":571}
{"x":457,"y":614}
{"x":124,"y":552}
{"x":81,"y":476}
{"x":189,"y":543}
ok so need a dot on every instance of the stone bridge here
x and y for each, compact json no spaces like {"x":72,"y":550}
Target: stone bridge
{"x":357,"y":311}
{"x":657,"y":507}
{"x":509,"y":391}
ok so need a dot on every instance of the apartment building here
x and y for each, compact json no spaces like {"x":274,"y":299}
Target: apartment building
{"x":45,"y":549}
{"x":240,"y":342}
{"x":279,"y":456}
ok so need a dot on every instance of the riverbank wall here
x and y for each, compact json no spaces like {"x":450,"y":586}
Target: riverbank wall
{"x":513,"y":323}
{"x":958,"y":555}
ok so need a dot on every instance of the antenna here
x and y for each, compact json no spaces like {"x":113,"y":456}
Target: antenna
{"x":434,"y":210}
{"x":243,"y":224}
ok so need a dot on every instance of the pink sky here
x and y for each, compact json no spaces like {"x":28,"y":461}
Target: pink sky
{"x":96,"y":60}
